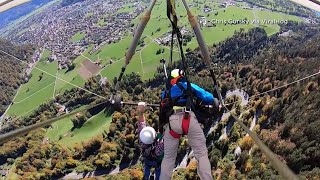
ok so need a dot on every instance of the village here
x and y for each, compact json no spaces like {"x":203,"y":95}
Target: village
{"x":99,"y":22}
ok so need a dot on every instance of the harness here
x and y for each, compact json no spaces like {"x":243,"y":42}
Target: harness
{"x":168,"y":102}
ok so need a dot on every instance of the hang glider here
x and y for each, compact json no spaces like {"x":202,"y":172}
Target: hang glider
{"x":312,"y":4}
{"x":8,"y":4}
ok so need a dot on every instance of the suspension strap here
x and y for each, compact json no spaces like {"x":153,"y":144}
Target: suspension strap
{"x":132,"y":48}
{"x":172,"y":16}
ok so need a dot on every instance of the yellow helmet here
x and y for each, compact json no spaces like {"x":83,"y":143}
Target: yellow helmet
{"x":175,"y":73}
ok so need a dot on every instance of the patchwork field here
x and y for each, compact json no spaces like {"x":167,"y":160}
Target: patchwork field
{"x":145,"y":61}
{"x":67,"y":79}
{"x":45,"y":83}
{"x":88,"y":69}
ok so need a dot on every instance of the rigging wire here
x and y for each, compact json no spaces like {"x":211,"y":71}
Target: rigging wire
{"x":280,"y":87}
{"x":55,"y":76}
{"x":281,"y":167}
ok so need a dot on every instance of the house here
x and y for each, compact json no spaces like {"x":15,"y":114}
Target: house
{"x":202,"y":20}
{"x":207,"y":10}
{"x":103,"y":81}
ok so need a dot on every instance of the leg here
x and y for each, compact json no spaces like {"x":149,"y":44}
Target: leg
{"x":158,"y":171}
{"x":171,"y":145}
{"x":147,"y":170}
{"x":197,"y":142}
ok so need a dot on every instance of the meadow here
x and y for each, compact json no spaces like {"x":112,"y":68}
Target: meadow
{"x":78,"y":36}
{"x":62,"y":132}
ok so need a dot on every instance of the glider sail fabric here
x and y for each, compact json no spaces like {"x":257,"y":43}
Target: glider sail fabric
{"x":8,"y":4}
{"x":312,"y":4}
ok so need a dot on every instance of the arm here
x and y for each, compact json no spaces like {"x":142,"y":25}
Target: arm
{"x":204,"y":95}
{"x":142,"y":122}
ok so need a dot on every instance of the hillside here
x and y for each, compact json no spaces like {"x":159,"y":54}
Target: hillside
{"x":285,"y":119}
{"x":77,"y":53}
{"x":12,"y":71}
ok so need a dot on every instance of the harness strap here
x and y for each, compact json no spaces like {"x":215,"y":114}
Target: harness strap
{"x":185,"y":126}
{"x":173,"y":133}
{"x":186,"y":123}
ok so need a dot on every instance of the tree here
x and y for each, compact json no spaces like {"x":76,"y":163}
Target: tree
{"x":79,"y":120}
{"x":40,"y":76}
{"x":71,"y":66}
{"x":158,"y":51}
{"x":246,"y":143}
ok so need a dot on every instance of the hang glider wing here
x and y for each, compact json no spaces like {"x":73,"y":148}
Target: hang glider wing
{"x":312,"y":4}
{"x":8,"y":4}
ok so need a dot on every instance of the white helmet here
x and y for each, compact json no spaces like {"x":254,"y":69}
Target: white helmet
{"x":147,"y":135}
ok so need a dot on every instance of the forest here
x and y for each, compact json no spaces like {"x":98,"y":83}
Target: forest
{"x":11,"y":71}
{"x":287,"y":119}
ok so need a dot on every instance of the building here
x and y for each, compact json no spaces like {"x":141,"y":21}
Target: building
{"x":202,"y":20}
{"x":207,"y":10}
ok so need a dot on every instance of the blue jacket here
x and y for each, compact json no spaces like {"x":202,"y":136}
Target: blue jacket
{"x":202,"y":94}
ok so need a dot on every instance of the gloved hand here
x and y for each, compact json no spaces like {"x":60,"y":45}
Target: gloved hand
{"x":141,"y":107}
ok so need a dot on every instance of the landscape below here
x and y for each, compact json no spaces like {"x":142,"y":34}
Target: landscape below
{"x":252,"y":57}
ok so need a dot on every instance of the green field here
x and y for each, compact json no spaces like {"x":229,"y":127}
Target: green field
{"x":65,"y":76}
{"x":93,"y":126}
{"x":78,"y":36}
{"x":101,"y":22}
{"x":37,"y":90}
{"x":127,"y":8}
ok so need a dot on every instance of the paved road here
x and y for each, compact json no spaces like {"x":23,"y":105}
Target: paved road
{"x":244,"y":101}
{"x":238,"y":92}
